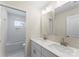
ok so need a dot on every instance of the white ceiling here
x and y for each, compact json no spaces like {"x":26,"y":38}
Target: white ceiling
{"x":37,"y":4}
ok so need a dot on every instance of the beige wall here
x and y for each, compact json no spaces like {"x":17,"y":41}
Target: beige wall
{"x":32,"y":21}
{"x":32,"y":16}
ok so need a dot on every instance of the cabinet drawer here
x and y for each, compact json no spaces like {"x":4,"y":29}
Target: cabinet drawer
{"x":38,"y":47}
{"x":46,"y":53}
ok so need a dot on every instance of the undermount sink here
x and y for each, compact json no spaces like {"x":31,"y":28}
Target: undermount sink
{"x":62,"y":48}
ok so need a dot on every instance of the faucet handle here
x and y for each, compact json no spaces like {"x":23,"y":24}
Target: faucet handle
{"x":67,"y":36}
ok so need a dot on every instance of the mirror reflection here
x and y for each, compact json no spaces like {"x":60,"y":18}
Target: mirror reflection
{"x":63,"y":20}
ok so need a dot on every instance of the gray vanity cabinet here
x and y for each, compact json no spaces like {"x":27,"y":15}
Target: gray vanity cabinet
{"x":46,"y":53}
{"x":39,"y":51}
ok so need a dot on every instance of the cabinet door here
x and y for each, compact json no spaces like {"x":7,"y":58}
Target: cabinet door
{"x":46,"y":53}
{"x":35,"y":50}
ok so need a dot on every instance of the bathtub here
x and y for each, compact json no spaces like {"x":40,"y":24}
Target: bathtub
{"x":16,"y":49}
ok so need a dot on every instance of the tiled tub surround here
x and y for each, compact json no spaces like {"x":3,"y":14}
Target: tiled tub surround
{"x":45,"y":44}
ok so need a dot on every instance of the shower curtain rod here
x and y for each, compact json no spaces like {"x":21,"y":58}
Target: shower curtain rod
{"x":12,"y":8}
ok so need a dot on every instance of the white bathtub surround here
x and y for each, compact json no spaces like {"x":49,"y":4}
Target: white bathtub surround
{"x":19,"y":53}
{"x":56,"y":48}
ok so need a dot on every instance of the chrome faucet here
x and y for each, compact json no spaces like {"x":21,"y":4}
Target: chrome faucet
{"x":44,"y":37}
{"x":63,"y":41}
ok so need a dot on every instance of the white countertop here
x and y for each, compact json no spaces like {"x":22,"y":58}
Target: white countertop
{"x":46,"y":43}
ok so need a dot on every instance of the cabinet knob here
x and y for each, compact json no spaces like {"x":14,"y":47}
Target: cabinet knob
{"x":34,"y":51}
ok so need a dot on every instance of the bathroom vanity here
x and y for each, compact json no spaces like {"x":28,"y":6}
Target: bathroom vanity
{"x":47,"y":48}
{"x":39,"y":51}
